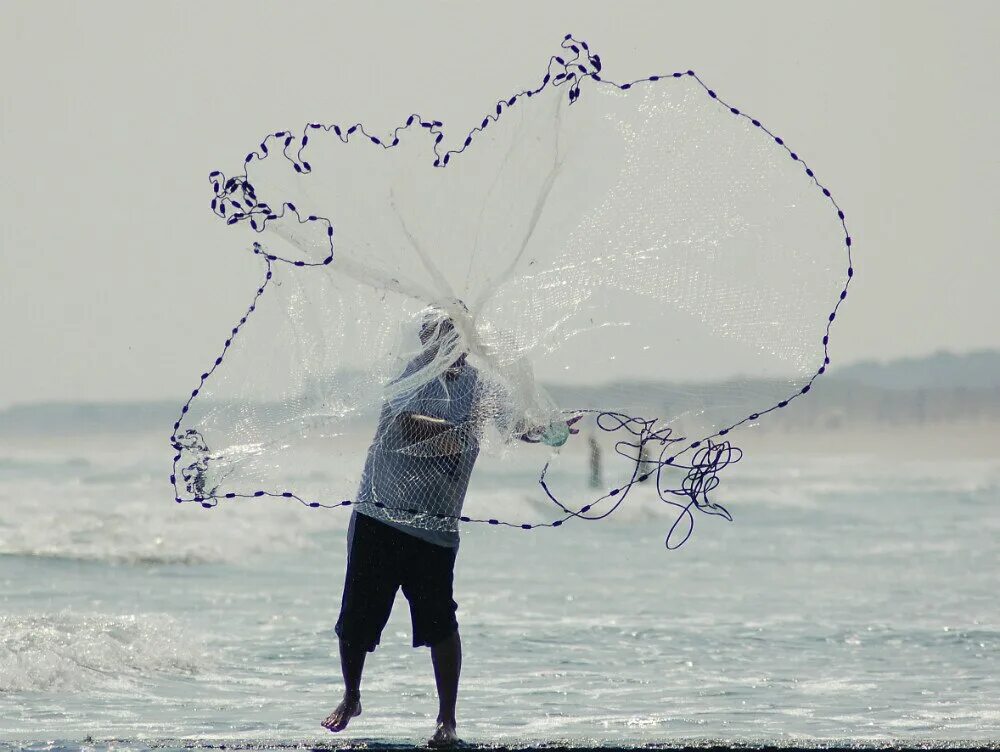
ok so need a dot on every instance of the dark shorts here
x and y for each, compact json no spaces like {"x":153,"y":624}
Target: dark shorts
{"x":382,"y":559}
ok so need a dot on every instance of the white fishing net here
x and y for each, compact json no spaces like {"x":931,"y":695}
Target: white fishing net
{"x":640,"y":255}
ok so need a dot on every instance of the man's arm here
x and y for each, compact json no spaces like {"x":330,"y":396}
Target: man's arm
{"x":438,"y":435}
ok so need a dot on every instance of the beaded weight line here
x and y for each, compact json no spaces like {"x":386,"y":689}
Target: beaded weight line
{"x":705,"y":456}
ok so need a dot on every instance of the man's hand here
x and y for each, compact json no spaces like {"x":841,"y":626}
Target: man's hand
{"x":540,"y":431}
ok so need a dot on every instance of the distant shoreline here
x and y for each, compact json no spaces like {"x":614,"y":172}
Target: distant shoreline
{"x":941,"y":405}
{"x":929,"y":441}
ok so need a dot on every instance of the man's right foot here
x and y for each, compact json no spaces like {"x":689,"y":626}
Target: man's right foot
{"x":350,"y":707}
{"x":445,"y":735}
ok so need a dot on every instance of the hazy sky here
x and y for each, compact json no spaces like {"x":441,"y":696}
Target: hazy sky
{"x":117,"y":280}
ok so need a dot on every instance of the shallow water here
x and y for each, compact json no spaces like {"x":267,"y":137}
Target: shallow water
{"x":851,"y":599}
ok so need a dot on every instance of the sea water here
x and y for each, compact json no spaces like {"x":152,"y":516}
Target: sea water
{"x":852,"y":598}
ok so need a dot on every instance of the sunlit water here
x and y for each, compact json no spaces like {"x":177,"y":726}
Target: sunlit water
{"x":852,"y":599}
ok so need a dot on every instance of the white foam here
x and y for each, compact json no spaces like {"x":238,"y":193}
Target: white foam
{"x":69,"y":651}
{"x":110,"y":500}
{"x":139,"y":526}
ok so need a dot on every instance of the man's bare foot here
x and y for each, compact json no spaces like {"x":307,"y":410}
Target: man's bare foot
{"x":445,"y":735}
{"x":350,"y":707}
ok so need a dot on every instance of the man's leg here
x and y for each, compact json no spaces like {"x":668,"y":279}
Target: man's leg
{"x":427,"y":584}
{"x":352,"y":665}
{"x":446,"y":656}
{"x":369,"y":589}
{"x":447,"y":659}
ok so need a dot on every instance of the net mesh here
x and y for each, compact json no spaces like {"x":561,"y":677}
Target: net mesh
{"x":640,"y":262}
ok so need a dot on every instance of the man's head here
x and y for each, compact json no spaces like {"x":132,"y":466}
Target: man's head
{"x":435,"y":322}
{"x":436,"y":327}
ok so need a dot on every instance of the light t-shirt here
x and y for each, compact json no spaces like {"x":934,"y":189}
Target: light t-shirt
{"x":398,"y":475}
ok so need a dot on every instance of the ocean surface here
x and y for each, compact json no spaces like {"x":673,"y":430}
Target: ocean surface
{"x":853,"y":599}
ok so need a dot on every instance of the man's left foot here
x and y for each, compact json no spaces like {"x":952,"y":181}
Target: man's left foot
{"x":350,"y":707}
{"x":445,"y":735}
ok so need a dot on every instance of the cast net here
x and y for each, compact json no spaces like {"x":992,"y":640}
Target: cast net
{"x":641,"y":257}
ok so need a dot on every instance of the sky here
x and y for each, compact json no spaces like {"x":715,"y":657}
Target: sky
{"x":116,"y":280}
